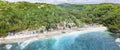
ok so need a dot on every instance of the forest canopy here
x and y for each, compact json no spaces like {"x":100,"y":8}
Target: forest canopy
{"x":19,"y":16}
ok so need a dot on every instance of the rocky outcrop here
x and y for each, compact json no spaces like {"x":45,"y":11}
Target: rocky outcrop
{"x":115,"y":30}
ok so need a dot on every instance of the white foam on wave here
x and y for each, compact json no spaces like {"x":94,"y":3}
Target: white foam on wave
{"x":8,"y":46}
{"x":118,"y":41}
{"x":22,"y":45}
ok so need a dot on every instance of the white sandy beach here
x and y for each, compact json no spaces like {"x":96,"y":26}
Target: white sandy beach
{"x":22,"y":38}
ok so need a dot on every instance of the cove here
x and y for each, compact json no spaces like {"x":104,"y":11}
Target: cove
{"x":94,"y":40}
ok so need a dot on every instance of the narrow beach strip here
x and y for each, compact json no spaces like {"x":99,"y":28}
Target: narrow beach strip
{"x":32,"y":37}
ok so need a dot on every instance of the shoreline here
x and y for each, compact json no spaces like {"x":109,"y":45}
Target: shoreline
{"x":32,"y":37}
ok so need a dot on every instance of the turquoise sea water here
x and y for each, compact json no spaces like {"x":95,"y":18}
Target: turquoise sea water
{"x":95,"y":40}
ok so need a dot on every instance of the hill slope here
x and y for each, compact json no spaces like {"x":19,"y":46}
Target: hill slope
{"x":24,"y":15}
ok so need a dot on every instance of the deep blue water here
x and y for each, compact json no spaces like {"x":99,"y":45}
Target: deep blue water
{"x":96,"y":40}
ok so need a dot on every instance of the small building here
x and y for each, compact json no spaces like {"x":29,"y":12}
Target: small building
{"x":61,"y":25}
{"x":11,"y":33}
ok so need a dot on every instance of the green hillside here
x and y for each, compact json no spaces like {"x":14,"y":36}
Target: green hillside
{"x":24,"y":15}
